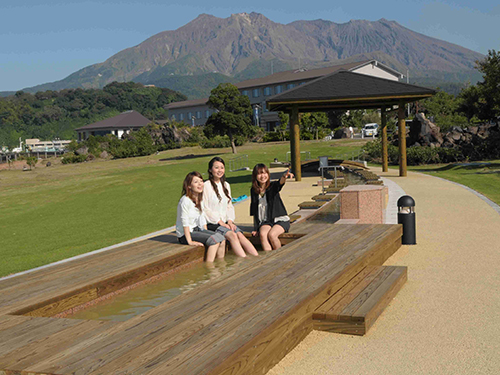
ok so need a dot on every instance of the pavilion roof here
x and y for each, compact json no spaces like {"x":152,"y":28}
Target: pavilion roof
{"x":347,"y":90}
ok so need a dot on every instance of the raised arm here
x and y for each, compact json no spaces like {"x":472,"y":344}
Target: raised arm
{"x":286,"y":175}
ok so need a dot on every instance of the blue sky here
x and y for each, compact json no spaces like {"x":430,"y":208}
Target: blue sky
{"x":43,"y":41}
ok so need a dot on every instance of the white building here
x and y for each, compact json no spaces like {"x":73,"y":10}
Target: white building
{"x":258,"y":90}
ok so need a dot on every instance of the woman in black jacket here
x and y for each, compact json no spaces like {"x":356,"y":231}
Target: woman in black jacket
{"x":269,"y":213}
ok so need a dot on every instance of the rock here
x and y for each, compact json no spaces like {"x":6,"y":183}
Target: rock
{"x":342,"y":133}
{"x":455,"y":136}
{"x":424,"y":131}
{"x":90,"y":157}
{"x":82,"y":151}
{"x":457,"y":129}
{"x":26,"y":168}
{"x":473,"y":130}
{"x":48,"y":164}
{"x":167,"y":134}
{"x":103,"y":155}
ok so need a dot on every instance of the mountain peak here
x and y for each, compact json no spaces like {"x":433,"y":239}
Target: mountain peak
{"x":247,"y":41}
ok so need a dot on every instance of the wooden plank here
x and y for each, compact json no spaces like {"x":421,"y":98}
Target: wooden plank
{"x":329,"y":304}
{"x":263,"y":340}
{"x":41,"y":348}
{"x":93,"y":288}
{"x":243,"y":322}
{"x":365,"y":307}
{"x":183,"y":310}
{"x":381,"y":298}
{"x":317,"y":204}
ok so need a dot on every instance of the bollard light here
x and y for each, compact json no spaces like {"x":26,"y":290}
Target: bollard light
{"x":406,"y":217}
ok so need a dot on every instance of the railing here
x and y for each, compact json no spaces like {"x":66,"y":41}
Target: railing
{"x":306,"y":153}
{"x":355,"y":156}
{"x":238,"y":164}
{"x":13,"y":156}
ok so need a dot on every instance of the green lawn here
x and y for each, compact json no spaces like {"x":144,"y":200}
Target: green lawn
{"x":50,"y":214}
{"x":484,"y":177}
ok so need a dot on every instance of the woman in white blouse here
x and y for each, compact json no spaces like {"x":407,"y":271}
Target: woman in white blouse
{"x":219,"y":211}
{"x":191,"y":226}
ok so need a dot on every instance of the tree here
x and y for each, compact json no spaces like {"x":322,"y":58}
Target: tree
{"x":443,"y":108}
{"x":232,"y":116}
{"x":483,"y":100}
{"x":31,"y":161}
{"x":312,"y":123}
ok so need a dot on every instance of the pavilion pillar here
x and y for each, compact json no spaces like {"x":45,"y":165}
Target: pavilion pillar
{"x":385,"y":153}
{"x":402,"y":140}
{"x":295,"y":143}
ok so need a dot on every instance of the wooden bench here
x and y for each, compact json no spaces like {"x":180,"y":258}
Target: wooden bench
{"x":242,"y":322}
{"x":311,"y":204}
{"x":355,"y":307}
{"x":323,"y":197}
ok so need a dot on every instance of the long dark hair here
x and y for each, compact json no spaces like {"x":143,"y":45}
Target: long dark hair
{"x":188,"y":192}
{"x":259,"y":168}
{"x":222,"y":179}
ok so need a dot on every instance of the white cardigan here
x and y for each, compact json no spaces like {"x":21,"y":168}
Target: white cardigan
{"x":213,"y":209}
{"x":188,"y":216}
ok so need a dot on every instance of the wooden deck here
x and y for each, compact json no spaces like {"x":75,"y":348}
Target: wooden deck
{"x":241,"y":323}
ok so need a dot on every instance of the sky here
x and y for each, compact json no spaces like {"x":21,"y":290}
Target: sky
{"x":46,"y":40}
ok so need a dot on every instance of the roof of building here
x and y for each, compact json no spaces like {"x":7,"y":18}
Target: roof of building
{"x":345,"y":89}
{"x":288,"y":76}
{"x":187,"y":103}
{"x":304,"y":74}
{"x":128,"y":119}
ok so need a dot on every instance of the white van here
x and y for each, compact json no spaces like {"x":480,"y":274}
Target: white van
{"x":370,"y":130}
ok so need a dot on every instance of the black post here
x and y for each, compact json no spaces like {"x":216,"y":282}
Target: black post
{"x":406,"y":217}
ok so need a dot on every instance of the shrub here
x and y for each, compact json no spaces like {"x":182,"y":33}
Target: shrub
{"x":72,"y":158}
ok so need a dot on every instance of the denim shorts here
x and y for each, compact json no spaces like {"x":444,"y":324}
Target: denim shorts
{"x":222,"y":230}
{"x":206,"y":237}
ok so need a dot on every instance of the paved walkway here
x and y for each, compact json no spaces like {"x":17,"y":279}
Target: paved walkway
{"x":445,"y":320}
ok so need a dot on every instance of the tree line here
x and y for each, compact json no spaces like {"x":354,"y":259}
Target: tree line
{"x":55,"y":114}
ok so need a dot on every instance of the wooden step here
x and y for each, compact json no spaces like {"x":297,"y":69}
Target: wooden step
{"x":374,"y":182}
{"x":323,"y":197}
{"x":311,"y":204}
{"x":356,"y":306}
{"x":334,"y":189}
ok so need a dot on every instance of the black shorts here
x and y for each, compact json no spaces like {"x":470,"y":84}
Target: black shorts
{"x":284,"y":224}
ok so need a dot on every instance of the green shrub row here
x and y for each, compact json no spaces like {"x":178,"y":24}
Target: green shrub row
{"x":477,"y":149}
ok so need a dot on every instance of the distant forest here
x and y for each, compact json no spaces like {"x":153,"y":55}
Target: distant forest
{"x":55,"y":114}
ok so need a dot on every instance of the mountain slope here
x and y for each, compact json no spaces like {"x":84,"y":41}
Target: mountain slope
{"x":242,"y":46}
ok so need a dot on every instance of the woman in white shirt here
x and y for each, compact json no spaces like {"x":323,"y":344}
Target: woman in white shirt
{"x":219,"y":211}
{"x":191,"y":226}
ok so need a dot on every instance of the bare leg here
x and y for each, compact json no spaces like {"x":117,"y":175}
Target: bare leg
{"x":211,"y":252}
{"x":263,"y":234}
{"x":221,"y":251}
{"x":235,"y":244}
{"x":247,"y":245}
{"x":273,"y":236}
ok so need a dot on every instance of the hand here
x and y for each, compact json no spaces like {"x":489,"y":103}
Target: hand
{"x":288,"y":174}
{"x":254,"y":233}
{"x":196,"y":243}
{"x":222,"y":224}
{"x":232,"y":226}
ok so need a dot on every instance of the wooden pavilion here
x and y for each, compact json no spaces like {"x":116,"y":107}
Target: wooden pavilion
{"x":344,"y":90}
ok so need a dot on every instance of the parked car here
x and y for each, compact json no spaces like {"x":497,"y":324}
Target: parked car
{"x":370,"y":130}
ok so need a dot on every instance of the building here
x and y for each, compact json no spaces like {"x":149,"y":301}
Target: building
{"x":124,"y":123}
{"x":258,"y":90}
{"x":35,"y":145}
